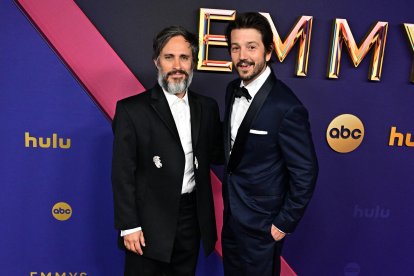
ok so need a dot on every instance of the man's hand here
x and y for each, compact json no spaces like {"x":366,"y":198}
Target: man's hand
{"x":276,"y":234}
{"x":134,"y":241}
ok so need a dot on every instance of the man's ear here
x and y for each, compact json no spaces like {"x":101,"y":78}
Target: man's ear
{"x":156,"y":63}
{"x":269,"y":54}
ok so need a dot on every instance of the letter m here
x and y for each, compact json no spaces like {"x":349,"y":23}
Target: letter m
{"x":301,"y":32}
{"x":375,"y":38}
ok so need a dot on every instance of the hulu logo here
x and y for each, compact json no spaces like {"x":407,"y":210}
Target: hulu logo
{"x":376,"y":212}
{"x":400,"y":139}
{"x":46,"y":142}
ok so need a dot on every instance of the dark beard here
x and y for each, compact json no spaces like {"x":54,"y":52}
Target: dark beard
{"x":256,"y":70}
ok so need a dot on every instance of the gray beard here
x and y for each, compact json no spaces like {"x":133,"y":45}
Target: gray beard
{"x":174,"y":87}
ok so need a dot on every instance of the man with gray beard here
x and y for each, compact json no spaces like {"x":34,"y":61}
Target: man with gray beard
{"x":164,"y":142}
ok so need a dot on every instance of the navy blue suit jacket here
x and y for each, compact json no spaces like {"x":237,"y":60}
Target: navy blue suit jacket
{"x":269,"y":178}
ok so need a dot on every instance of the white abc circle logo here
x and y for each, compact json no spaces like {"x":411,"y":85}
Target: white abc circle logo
{"x":345,"y":133}
{"x":62,"y":211}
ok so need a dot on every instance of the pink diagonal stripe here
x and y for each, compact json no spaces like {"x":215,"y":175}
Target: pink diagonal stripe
{"x":87,"y":54}
{"x":98,"y":68}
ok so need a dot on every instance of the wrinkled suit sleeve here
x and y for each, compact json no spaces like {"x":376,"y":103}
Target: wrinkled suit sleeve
{"x":298,"y":151}
{"x":124,"y":165}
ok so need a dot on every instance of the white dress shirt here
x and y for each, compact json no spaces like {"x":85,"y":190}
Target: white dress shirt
{"x":241,"y":105}
{"x":180,"y":110}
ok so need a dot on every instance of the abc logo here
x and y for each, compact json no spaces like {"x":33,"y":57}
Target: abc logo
{"x":62,"y":211}
{"x":345,"y":133}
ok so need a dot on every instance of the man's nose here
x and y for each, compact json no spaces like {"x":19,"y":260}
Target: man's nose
{"x":242,"y":54}
{"x":177,"y":63}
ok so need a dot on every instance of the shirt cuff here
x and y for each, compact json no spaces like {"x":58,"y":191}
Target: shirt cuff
{"x":130,"y":231}
{"x":280,"y":230}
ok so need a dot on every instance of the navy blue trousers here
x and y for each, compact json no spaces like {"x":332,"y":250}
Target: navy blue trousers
{"x":247,"y":252}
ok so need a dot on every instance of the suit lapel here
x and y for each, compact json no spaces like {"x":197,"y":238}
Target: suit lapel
{"x":160,"y":104}
{"x":251,"y":114}
{"x":227,"y":119}
{"x":195,"y":115}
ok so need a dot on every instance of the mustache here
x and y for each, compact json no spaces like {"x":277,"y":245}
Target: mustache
{"x":244,"y":62}
{"x":175,"y":72}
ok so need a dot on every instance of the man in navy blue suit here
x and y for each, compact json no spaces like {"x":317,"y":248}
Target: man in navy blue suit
{"x":271,"y":166}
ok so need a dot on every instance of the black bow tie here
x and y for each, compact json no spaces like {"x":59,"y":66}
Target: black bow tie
{"x":242,"y":92}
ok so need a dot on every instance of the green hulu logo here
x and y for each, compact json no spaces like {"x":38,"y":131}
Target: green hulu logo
{"x":47,"y":142}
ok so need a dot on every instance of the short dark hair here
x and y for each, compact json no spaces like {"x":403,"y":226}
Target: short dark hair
{"x":166,"y":34}
{"x":252,"y":20}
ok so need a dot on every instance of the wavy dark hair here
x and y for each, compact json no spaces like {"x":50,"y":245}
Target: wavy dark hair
{"x":252,"y":20}
{"x":166,"y":34}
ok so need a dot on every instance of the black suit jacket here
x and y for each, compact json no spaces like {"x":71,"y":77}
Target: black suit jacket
{"x":272,"y":169}
{"x":148,"y":196}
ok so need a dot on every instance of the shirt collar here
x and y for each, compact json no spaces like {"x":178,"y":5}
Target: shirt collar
{"x":173,"y":99}
{"x":255,"y":85}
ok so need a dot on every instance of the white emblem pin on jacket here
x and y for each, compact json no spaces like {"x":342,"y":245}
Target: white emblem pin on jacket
{"x":157,"y":161}
{"x":196,"y":163}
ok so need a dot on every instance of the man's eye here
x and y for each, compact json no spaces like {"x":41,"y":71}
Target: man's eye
{"x":185,"y":58}
{"x":234,"y":49}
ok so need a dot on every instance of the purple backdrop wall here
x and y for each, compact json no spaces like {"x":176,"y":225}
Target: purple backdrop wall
{"x":360,"y":221}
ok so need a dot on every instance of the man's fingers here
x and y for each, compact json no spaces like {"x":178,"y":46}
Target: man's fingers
{"x":133,"y":242}
{"x":137,"y":248}
{"x":126,"y":245}
{"x":278,"y":236}
{"x":142,"y":239}
{"x":129,"y":245}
